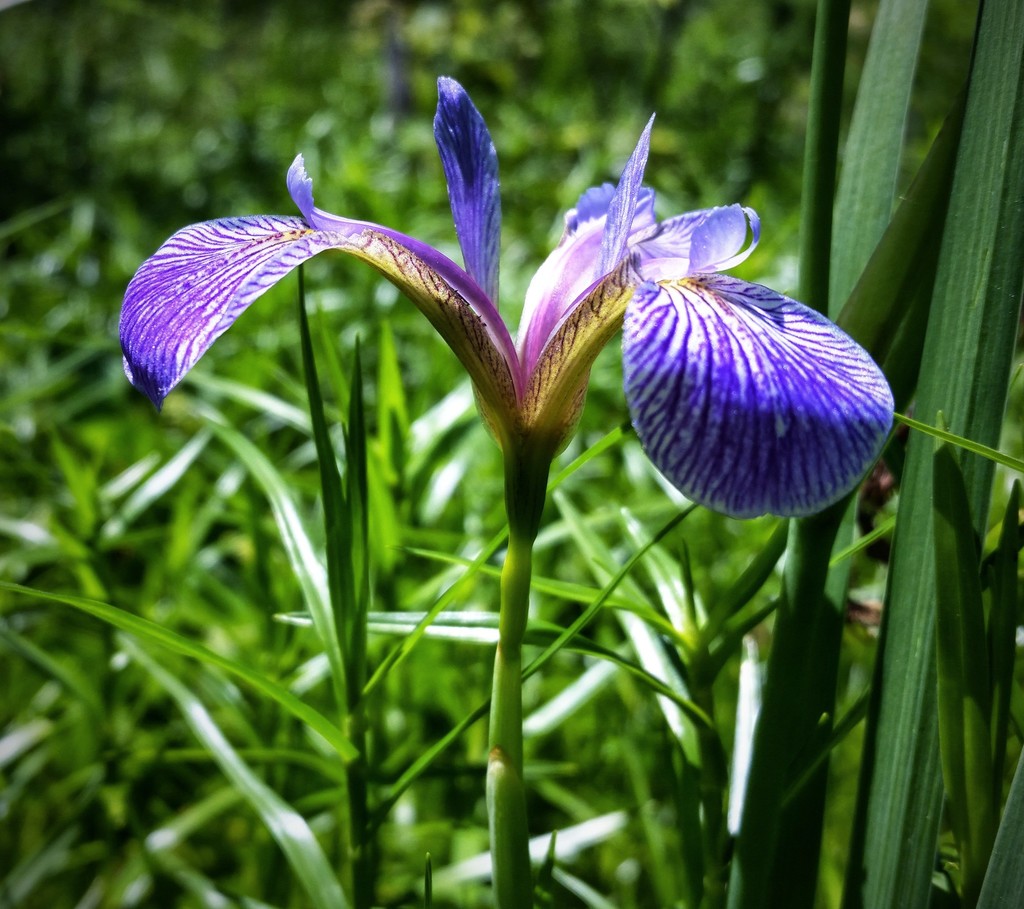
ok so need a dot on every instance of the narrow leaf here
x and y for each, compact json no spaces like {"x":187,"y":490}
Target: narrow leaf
{"x":302,"y":555}
{"x":963,"y":678}
{"x":964,"y":372}
{"x":356,"y":538}
{"x":1004,"y":884}
{"x":872,"y":154}
{"x":290,"y":830}
{"x":336,"y":514}
{"x":158,"y":634}
{"x":1002,"y":634}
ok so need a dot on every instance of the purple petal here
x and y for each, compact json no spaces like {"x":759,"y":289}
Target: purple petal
{"x":697,"y":242}
{"x":596,"y":238}
{"x":623,"y":204}
{"x":301,"y":188}
{"x":594,"y":203}
{"x":471,"y":169}
{"x":664,"y":251}
{"x":748,"y":401}
{"x":194,"y":287}
{"x":554,"y":396}
{"x":566,"y":276}
{"x":718,"y":241}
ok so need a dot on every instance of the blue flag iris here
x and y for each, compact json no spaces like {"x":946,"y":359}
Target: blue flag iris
{"x":747,"y":401}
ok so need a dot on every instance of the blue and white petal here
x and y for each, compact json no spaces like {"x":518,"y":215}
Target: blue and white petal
{"x":471,"y":169}
{"x":668,"y":241}
{"x":196,"y":285}
{"x":747,"y":401}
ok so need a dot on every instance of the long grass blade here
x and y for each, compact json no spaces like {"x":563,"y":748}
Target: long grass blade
{"x":1004,"y":883}
{"x":337,"y":516}
{"x":1002,"y":633}
{"x":301,"y":553}
{"x":964,"y":373}
{"x":291,"y":831}
{"x":871,"y":159}
{"x":963,"y":676}
{"x":158,"y":634}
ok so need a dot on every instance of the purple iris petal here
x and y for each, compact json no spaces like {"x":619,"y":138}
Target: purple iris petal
{"x":197,"y":284}
{"x":191,"y":291}
{"x":717,"y":242}
{"x":623,"y":205}
{"x":471,"y":169}
{"x":670,"y":240}
{"x":597,"y":233}
{"x":594,"y":203}
{"x":563,"y":278}
{"x":748,"y":401}
{"x":301,"y":188}
{"x":591,"y":206}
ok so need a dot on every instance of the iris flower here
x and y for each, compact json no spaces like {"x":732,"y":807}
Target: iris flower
{"x":747,"y":401}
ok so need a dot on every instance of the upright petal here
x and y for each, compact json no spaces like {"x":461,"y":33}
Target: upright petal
{"x":554,"y":396}
{"x":194,"y":287}
{"x":623,"y":205}
{"x":593,"y":207}
{"x":748,"y":401}
{"x":719,"y":241}
{"x":668,"y":242}
{"x":596,"y":240}
{"x":564,"y":277}
{"x":471,"y":169}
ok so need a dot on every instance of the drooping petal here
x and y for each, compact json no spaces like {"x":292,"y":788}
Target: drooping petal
{"x":196,"y":285}
{"x":471,"y":169}
{"x":491,"y":366}
{"x":301,"y":188}
{"x":748,"y":401}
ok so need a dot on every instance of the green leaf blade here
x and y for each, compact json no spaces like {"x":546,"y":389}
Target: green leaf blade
{"x":963,"y":674}
{"x":294,"y":836}
{"x":964,"y":372}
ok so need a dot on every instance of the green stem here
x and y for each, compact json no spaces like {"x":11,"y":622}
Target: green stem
{"x":506,"y":704}
{"x":525,"y":480}
{"x":821,"y":151}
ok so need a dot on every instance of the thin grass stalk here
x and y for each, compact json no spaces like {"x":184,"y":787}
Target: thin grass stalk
{"x":345,"y":534}
{"x":355,"y":617}
{"x":506,"y":795}
{"x":821,"y":151}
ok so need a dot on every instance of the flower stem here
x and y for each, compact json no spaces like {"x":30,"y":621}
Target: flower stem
{"x":507,"y":695}
{"x":525,"y":480}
